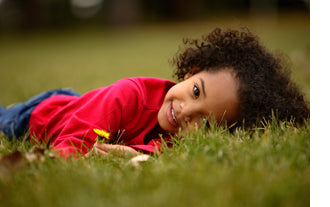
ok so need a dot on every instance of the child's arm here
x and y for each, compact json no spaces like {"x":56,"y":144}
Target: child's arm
{"x":104,"y":109}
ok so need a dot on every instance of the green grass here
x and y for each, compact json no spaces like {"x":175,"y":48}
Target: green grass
{"x":270,"y":167}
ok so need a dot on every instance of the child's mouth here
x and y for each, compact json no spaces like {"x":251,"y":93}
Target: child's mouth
{"x":171,"y":116}
{"x":172,"y":112}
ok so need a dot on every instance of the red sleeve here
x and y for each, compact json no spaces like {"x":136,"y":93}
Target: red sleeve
{"x":147,"y":149}
{"x":154,"y":146}
{"x":103,"y":109}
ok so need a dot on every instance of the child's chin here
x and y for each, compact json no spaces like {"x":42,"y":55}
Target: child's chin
{"x":168,"y":127}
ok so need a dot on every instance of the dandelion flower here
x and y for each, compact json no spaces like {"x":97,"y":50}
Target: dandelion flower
{"x":101,"y":134}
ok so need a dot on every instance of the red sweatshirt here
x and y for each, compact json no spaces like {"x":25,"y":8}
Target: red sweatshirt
{"x":129,"y":106}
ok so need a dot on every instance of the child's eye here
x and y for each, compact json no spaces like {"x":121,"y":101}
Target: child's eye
{"x":196,"y":91}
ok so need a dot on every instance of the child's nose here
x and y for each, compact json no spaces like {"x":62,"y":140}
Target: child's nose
{"x":189,"y":112}
{"x":185,"y":111}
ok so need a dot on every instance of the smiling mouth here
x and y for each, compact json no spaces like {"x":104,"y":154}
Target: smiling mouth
{"x":173,"y":116}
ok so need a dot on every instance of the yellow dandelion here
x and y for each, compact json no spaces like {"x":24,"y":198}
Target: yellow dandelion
{"x":102,"y":133}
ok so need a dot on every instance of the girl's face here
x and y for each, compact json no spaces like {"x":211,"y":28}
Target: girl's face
{"x":202,"y":96}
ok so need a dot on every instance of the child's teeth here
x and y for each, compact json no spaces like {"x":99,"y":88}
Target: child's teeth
{"x":172,"y":111}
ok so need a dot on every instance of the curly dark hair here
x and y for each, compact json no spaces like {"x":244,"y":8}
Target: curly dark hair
{"x":265,"y":87}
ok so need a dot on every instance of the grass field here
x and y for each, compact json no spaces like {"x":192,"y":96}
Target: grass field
{"x":217,"y":168}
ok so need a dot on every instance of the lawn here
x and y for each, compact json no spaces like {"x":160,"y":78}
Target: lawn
{"x":269,"y":167}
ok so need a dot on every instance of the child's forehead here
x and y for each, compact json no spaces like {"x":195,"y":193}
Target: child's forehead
{"x":221,"y":91}
{"x":221,"y":76}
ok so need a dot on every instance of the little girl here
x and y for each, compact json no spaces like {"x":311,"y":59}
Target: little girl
{"x":227,"y":76}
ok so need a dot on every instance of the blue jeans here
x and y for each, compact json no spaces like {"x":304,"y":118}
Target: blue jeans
{"x":14,"y":121}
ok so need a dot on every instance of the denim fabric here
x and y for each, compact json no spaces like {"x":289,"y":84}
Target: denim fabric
{"x":14,"y":121}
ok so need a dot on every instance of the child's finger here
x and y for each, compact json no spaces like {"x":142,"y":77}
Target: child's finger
{"x":100,"y":149}
{"x":103,"y":148}
{"x":97,"y":151}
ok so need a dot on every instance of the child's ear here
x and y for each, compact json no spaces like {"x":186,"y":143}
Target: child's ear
{"x":192,"y":72}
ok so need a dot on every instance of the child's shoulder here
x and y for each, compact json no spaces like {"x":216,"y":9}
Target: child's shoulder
{"x":148,"y":80}
{"x":146,"y":83}
{"x":147,"y":88}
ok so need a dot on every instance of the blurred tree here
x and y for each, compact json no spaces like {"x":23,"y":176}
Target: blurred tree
{"x":123,"y":11}
{"x":27,"y":15}
{"x":30,"y":14}
{"x":172,"y":9}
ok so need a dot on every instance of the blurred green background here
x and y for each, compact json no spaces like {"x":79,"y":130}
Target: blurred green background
{"x":88,"y":44}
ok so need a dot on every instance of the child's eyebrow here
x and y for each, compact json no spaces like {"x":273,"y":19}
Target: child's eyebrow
{"x":203,"y":86}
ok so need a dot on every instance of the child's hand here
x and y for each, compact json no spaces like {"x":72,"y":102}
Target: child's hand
{"x":120,"y":150}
